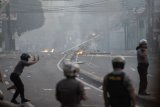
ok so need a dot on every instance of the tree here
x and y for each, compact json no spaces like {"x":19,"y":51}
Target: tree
{"x":29,"y":15}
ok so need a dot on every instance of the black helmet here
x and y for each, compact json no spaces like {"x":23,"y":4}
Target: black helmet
{"x":25,"y":56}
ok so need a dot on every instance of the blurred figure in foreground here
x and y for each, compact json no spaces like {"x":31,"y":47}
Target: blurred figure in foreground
{"x":2,"y":102}
{"x":118,"y":90}
{"x":6,"y":104}
{"x":69,"y":91}
{"x":1,"y":93}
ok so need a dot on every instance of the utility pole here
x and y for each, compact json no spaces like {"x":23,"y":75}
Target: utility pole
{"x":149,"y":7}
{"x":9,"y":27}
{"x":9,"y":42}
{"x":5,"y":28}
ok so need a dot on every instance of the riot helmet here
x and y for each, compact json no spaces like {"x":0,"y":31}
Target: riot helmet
{"x":71,"y":69}
{"x":118,"y":62}
{"x":143,"y":41}
{"x":25,"y":57}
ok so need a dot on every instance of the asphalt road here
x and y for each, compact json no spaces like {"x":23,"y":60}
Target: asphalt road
{"x":101,"y":65}
{"x":40,"y":79}
{"x":98,"y":66}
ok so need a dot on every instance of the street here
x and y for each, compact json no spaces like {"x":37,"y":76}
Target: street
{"x":101,"y":65}
{"x":57,"y":29}
{"x":40,"y":79}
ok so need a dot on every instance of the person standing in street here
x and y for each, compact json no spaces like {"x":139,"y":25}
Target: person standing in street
{"x":143,"y":64}
{"x":69,"y":91}
{"x":15,"y":77}
{"x":118,"y":90}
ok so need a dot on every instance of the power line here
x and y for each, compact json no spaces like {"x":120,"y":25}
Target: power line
{"x":68,"y":11}
{"x":55,"y":7}
{"x":91,"y":3}
{"x":15,"y":5}
{"x":62,"y":9}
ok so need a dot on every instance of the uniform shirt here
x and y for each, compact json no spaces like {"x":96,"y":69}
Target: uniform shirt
{"x":126,"y":81}
{"x":70,"y":92}
{"x":20,"y":66}
{"x":142,"y":56}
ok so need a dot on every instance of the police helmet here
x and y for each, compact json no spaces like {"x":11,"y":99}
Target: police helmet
{"x":25,"y":56}
{"x":118,"y":62}
{"x":143,"y":41}
{"x":71,"y":69}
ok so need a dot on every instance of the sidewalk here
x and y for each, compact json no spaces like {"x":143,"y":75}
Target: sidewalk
{"x":8,"y":54}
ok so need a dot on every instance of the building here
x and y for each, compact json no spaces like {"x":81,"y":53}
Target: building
{"x":153,"y":18}
{"x":156,"y":23}
{"x":135,"y":23}
{"x":3,"y":4}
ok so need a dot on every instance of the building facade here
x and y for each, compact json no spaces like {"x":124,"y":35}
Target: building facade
{"x":156,"y":23}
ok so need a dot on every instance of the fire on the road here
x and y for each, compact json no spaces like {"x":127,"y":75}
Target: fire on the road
{"x":48,"y":50}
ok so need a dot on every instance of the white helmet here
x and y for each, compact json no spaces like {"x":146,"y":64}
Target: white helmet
{"x":71,"y":69}
{"x":119,"y":59}
{"x":118,"y":62}
{"x":143,"y":41}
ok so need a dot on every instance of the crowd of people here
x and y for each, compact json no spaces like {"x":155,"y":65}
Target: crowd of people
{"x":118,"y":90}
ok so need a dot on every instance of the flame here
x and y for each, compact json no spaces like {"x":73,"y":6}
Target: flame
{"x":52,"y":50}
{"x":45,"y":51}
{"x":48,"y":50}
{"x":80,"y":52}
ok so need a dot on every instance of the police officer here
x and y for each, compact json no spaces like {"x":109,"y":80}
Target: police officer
{"x":117,"y":88}
{"x":15,"y":77}
{"x":69,"y":91}
{"x":142,"y":58}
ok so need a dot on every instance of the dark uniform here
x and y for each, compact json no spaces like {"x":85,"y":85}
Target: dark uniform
{"x":70,"y":92}
{"x":117,"y":87}
{"x":142,"y":69}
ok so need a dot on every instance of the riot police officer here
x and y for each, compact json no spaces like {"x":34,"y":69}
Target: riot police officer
{"x":69,"y":91}
{"x":118,"y":90}
{"x":143,"y":63}
{"x":15,"y":77}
